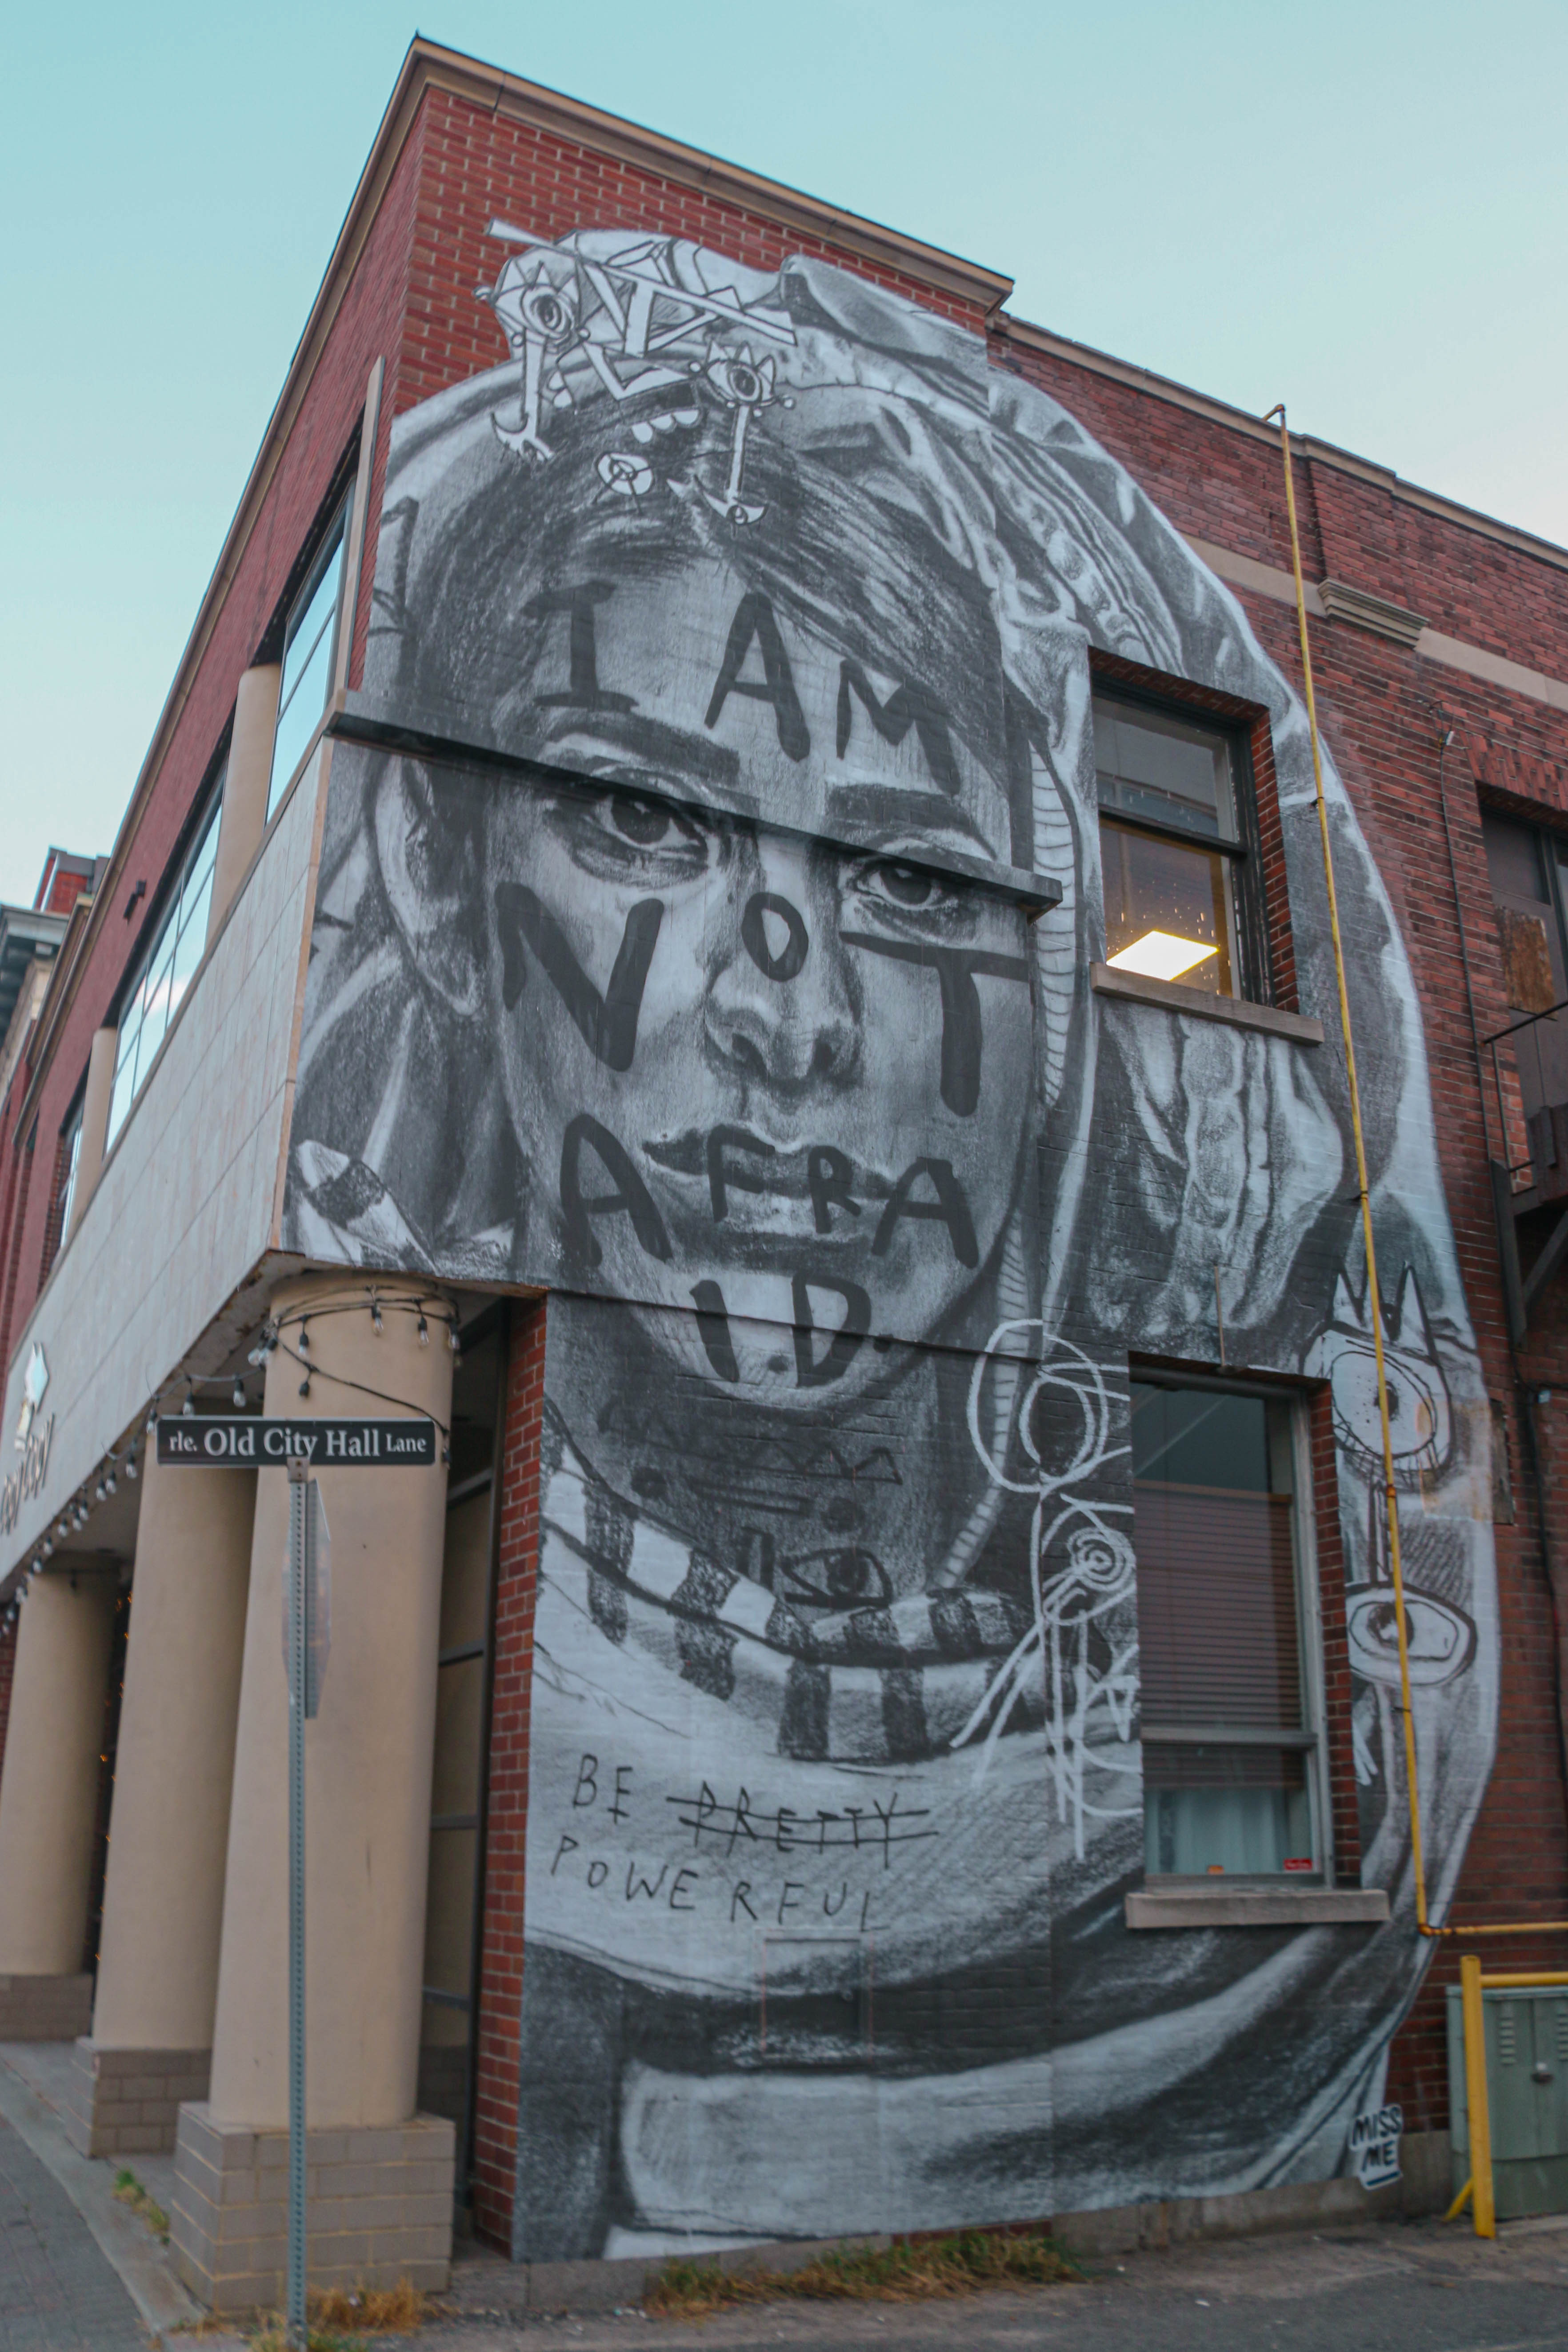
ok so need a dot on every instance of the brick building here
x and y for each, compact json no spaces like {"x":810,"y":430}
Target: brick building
{"x":728,"y":900}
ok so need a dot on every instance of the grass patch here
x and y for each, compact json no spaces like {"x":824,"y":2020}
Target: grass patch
{"x":145,"y":2207}
{"x":911,"y":2271}
{"x":337,"y":2315}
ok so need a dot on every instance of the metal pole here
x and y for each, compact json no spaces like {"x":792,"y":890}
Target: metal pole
{"x":298,"y":1523}
{"x":1482,"y":2209}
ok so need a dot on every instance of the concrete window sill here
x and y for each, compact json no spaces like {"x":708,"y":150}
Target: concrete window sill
{"x":1106,"y":980}
{"x":1257,"y":1907}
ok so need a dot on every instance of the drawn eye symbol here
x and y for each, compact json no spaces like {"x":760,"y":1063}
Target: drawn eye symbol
{"x":546,"y":313}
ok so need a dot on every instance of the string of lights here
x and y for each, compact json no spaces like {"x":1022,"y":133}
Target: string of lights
{"x":104,"y":1481}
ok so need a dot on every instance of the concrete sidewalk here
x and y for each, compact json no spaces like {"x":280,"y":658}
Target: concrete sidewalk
{"x":79,"y":2272}
{"x":1378,"y":2286}
{"x":71,"y":2255}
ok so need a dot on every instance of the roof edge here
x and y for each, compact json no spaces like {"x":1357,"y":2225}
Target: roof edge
{"x":1241,"y":420}
{"x":548,"y":109}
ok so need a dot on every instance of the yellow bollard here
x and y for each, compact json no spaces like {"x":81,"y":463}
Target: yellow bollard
{"x":1482,"y":2204}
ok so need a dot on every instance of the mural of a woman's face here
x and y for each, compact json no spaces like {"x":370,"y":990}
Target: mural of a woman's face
{"x":650,"y":988}
{"x":816,"y":1060}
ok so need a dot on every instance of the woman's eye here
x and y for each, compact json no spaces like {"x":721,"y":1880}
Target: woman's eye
{"x":907,"y":885}
{"x":908,"y":889}
{"x":640,"y":821}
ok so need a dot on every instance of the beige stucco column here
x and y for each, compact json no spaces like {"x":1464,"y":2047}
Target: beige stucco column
{"x":368,"y":1753}
{"x":245,"y":778}
{"x":163,"y":1901}
{"x":94,"y":1121}
{"x":48,"y":1801}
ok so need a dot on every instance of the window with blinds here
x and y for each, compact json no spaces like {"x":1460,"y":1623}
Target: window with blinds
{"x":1228,"y":1741}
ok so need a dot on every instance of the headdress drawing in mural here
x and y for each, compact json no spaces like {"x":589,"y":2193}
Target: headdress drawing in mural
{"x":720,"y":964}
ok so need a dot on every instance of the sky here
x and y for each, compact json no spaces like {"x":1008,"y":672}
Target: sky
{"x":1361,"y":209}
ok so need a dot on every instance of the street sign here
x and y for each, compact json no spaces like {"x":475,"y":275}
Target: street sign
{"x":250,"y":1441}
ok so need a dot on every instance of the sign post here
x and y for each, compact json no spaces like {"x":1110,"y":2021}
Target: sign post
{"x":250,"y":1442}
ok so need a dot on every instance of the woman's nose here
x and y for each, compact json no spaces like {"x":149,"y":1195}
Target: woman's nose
{"x":782,"y":1007}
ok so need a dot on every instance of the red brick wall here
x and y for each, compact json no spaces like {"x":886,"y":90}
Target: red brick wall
{"x":497,"y":2039}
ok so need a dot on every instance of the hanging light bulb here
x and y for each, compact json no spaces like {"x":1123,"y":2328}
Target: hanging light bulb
{"x":239,"y":1398}
{"x":189,"y":1408}
{"x":49,"y":1553}
{"x":376,"y":1314}
{"x":424,"y":1330}
{"x":152,"y":1418}
{"x":304,"y":1341}
{"x":130,"y":1470}
{"x":305,"y":1385}
{"x":112,"y":1484}
{"x":62,"y":1531}
{"x":452,"y":1341}
{"x":99,"y":1492}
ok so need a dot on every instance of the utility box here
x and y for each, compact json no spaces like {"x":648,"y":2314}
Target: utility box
{"x":1527,"y":2089}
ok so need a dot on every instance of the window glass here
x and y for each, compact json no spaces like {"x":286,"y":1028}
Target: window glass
{"x":1164,"y":769}
{"x":172,"y":958}
{"x":68,"y":1190}
{"x":1524,"y":865}
{"x":1213,"y":1526}
{"x":309,"y":643}
{"x":1170,"y":908}
{"x":1168,"y":912}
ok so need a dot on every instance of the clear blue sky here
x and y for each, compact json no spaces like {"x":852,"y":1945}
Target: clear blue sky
{"x":1358,"y":207}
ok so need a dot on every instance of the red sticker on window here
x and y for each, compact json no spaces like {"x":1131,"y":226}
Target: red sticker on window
{"x":1298,"y":1861}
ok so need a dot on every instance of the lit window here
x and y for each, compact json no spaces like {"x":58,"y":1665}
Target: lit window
{"x":310,"y":646}
{"x":165,"y":973}
{"x":1178,"y":891}
{"x":1229,"y":1746}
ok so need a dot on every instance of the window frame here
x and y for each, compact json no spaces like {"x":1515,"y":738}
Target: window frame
{"x":67,"y":1166}
{"x":1255,"y":978}
{"x":1315,"y":1740}
{"x":329,"y":545}
{"x":203,"y":825}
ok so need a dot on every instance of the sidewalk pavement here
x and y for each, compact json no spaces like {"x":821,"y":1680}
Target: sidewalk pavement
{"x":1374,"y":2286}
{"x":79,"y":2272}
{"x":78,"y":2269}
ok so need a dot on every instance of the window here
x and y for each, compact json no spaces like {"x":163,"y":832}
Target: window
{"x":310,"y":647}
{"x":68,"y":1163}
{"x":164,"y":973}
{"x":1528,"y":871}
{"x":1181,"y":895}
{"x":1229,"y":1742}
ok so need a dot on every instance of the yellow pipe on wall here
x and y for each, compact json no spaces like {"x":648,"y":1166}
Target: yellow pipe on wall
{"x":1375,"y":1305}
{"x":1506,"y":1926}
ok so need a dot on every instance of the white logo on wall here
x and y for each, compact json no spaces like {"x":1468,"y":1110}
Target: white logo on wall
{"x":35,"y":1381}
{"x":32,"y":1440}
{"x":1374,"y":2144}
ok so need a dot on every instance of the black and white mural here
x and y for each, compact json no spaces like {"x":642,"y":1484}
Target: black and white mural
{"x":707,"y":938}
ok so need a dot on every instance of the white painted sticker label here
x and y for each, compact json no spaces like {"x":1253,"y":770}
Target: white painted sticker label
{"x":1374,"y":2146}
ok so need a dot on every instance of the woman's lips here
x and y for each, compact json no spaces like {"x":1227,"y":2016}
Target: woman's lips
{"x":752,"y":1166}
